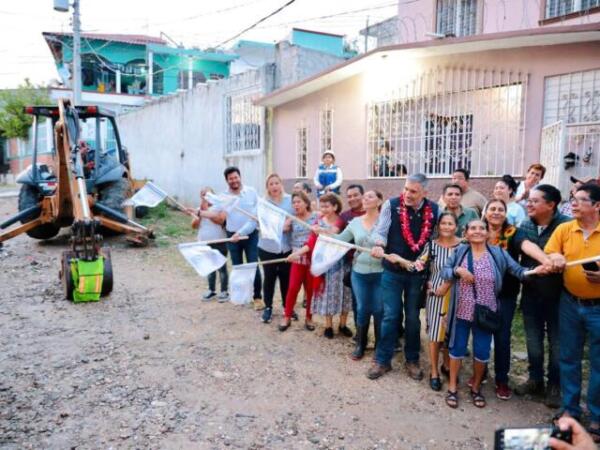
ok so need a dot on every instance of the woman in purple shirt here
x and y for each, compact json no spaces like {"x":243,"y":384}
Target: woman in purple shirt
{"x":476,"y":270}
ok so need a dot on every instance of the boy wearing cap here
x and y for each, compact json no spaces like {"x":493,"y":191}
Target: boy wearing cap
{"x":328,"y":177}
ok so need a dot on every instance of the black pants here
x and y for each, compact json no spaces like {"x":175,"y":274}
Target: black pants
{"x":271,"y":273}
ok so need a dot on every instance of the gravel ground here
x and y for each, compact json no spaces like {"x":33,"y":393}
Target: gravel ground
{"x":152,"y":366}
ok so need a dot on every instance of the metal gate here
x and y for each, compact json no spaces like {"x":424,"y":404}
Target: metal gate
{"x":570,"y":150}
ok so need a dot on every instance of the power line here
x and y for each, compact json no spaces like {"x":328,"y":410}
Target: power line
{"x":268,"y":16}
{"x":210,"y":13}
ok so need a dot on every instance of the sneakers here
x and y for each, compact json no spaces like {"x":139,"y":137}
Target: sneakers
{"x":328,"y":333}
{"x":223,"y":297}
{"x":553,"y":397}
{"x":414,"y":370}
{"x":503,"y":392}
{"x":258,"y":304}
{"x":531,"y":387}
{"x":208,"y":295}
{"x":377,"y":371}
{"x":294,"y":316}
{"x":266,"y":315}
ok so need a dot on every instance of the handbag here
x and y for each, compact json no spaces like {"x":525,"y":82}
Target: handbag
{"x":483,"y":316}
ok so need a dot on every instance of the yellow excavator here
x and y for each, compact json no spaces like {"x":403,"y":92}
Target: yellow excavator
{"x":82,"y":184}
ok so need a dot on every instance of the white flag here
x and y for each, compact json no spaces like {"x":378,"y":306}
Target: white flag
{"x":222,"y":202}
{"x":202,"y":258}
{"x":150,"y":195}
{"x":326,"y":253}
{"x":271,"y":220}
{"x":241,"y":283}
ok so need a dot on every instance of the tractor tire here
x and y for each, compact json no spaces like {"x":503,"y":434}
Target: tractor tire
{"x":28,"y":197}
{"x":113,"y":195}
{"x":107,"y":280}
{"x":65,"y":275}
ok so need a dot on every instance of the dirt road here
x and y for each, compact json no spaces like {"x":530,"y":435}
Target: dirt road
{"x":154,"y":367}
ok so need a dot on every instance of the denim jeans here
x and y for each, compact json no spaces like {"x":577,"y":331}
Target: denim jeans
{"x":541,"y":314}
{"x":368,"y":299}
{"x":395,"y":286}
{"x":575,"y":321}
{"x":249,"y":247}
{"x":482,"y":341}
{"x":502,"y":339}
{"x":212,"y":277}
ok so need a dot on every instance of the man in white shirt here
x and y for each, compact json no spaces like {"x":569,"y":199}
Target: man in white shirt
{"x":239,"y":224}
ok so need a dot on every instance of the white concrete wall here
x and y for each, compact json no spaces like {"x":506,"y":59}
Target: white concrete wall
{"x":179,"y":141}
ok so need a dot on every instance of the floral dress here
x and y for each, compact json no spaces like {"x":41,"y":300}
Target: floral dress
{"x":332,"y":297}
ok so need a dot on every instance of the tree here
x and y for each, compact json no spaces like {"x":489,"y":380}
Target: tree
{"x":14,"y":122}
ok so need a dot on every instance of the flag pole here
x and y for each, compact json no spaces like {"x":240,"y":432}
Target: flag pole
{"x":577,"y":262}
{"x":221,"y":241}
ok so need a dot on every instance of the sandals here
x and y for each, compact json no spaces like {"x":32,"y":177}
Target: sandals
{"x":452,"y":399}
{"x":594,"y":433}
{"x":435,"y":383}
{"x":309,"y":325}
{"x":478,"y":399}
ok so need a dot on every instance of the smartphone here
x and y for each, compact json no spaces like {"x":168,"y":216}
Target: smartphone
{"x":591,"y":266}
{"x":529,"y":438}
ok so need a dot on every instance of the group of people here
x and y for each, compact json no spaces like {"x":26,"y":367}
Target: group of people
{"x":466,"y":259}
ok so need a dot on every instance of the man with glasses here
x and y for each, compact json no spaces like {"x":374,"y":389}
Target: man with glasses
{"x":540,"y":296}
{"x":579,"y":309}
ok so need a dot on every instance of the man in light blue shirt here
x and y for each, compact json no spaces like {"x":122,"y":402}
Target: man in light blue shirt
{"x":239,"y":224}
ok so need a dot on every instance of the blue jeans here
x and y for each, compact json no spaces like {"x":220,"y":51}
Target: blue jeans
{"x":541,"y":314}
{"x":482,"y":341}
{"x":502,"y":339}
{"x":575,"y":321}
{"x":249,"y":247}
{"x":366,"y":286}
{"x":395,"y":285}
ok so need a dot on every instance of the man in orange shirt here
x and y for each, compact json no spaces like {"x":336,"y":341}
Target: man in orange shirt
{"x":579,"y":311}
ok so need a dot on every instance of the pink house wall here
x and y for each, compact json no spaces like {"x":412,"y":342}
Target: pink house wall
{"x":494,"y":16}
{"x":349,"y":98}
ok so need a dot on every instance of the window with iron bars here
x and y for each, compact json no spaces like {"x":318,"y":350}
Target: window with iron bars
{"x":326,"y":125}
{"x":301,"y":152}
{"x":572,"y":97}
{"x":557,"y":8}
{"x":243,"y":122}
{"x":445,"y":119}
{"x":456,"y":17}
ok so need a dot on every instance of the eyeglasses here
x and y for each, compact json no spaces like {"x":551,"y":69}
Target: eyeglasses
{"x":575,"y":200}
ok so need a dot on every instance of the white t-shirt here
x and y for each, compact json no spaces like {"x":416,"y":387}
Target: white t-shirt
{"x":208,"y":230}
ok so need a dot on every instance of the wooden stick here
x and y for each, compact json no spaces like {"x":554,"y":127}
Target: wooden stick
{"x":583,"y":261}
{"x":261,"y":263}
{"x":237,"y":208}
{"x":220,"y":241}
{"x":181,"y":207}
{"x":574,"y":263}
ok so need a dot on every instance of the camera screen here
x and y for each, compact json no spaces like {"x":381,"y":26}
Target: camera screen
{"x":527,"y":438}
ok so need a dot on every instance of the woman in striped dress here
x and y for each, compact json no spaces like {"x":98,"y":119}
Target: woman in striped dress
{"x":435,"y":255}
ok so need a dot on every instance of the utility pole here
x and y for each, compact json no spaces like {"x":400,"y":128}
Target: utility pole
{"x":76,"y":54}
{"x":367,"y":36}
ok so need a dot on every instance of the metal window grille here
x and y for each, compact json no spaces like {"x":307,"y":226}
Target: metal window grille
{"x":457,"y":17}
{"x":326,"y":125}
{"x":573,"y":97}
{"x":448,"y":118}
{"x":243,"y":122}
{"x":557,"y":8}
{"x":301,"y":152}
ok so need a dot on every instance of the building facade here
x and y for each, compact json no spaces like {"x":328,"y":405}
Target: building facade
{"x":469,"y":87}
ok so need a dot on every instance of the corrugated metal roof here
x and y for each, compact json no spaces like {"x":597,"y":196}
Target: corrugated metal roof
{"x":138,"y":39}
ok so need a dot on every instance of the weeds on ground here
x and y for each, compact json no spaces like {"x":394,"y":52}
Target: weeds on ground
{"x":170,"y":225}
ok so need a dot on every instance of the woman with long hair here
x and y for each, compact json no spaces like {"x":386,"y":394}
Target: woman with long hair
{"x":330,"y":296}
{"x":434,"y":255}
{"x":269,"y":250}
{"x":366,"y":271}
{"x":300,"y":268}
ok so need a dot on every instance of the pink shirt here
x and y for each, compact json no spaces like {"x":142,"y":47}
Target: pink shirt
{"x":484,"y":283}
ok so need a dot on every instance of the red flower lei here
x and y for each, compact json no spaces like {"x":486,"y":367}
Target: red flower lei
{"x":426,"y":228}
